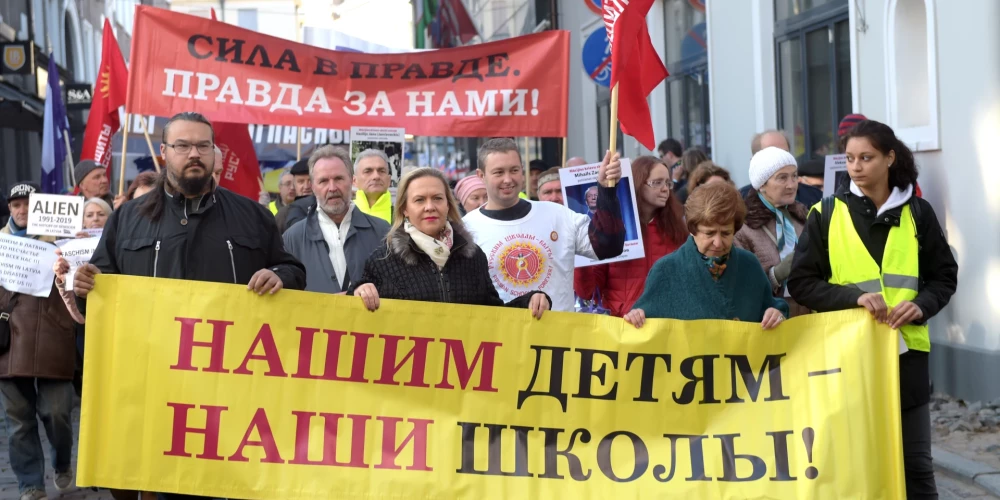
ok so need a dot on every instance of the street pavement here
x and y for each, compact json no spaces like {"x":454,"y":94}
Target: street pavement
{"x":949,"y":488}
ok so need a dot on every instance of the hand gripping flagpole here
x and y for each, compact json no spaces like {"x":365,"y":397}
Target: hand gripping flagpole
{"x":121,"y":176}
{"x":613,"y":138}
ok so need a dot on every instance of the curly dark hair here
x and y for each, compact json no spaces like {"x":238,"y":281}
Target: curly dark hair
{"x":903,"y":171}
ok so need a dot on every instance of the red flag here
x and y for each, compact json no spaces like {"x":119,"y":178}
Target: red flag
{"x":635,"y":65}
{"x":241,"y":173}
{"x":109,"y":95}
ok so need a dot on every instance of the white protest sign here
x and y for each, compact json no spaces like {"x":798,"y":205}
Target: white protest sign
{"x":579,"y":187}
{"x":26,"y":265}
{"x":386,"y":139}
{"x":54,"y":215}
{"x":834,"y":174}
{"x":77,"y":253}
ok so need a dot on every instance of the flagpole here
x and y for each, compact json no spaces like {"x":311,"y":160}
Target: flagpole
{"x":149,"y":143}
{"x":69,"y":160}
{"x":121,"y":177}
{"x":298,"y":143}
{"x":564,"y":147}
{"x":613,"y":138}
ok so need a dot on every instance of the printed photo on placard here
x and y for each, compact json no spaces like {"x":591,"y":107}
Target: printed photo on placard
{"x":390,"y":141}
{"x":835,"y":174}
{"x":580,"y":188}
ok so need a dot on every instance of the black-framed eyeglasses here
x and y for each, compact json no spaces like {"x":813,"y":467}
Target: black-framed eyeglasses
{"x":183,"y":148}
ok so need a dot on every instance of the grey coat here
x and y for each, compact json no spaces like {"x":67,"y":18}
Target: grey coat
{"x":304,"y":240}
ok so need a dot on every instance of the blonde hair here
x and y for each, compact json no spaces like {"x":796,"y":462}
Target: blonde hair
{"x":101,"y":203}
{"x":454,"y":216}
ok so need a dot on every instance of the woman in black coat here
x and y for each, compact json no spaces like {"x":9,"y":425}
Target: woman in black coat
{"x":429,"y":256}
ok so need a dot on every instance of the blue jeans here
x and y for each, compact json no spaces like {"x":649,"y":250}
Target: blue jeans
{"x":50,"y":400}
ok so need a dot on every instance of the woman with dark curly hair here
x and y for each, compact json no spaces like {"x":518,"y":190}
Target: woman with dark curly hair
{"x":875,"y":245}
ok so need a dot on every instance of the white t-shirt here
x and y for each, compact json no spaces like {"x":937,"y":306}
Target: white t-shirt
{"x":535,"y":252}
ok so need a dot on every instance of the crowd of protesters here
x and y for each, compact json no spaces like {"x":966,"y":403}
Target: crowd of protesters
{"x":760,"y":254}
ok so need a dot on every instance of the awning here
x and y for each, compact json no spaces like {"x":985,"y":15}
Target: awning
{"x":19,"y":110}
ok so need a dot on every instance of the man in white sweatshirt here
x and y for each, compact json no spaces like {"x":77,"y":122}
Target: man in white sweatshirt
{"x":532,"y":245}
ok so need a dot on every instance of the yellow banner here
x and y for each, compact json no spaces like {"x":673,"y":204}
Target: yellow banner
{"x":209,"y":389}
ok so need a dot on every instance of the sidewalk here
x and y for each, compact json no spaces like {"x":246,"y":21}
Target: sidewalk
{"x":978,"y":473}
{"x":8,"y":482}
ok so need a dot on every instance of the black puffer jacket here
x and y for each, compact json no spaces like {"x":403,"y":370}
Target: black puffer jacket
{"x":222,"y":238}
{"x":809,"y":282}
{"x":400,"y":270}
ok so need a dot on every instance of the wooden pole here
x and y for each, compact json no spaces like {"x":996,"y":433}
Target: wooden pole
{"x":149,"y":142}
{"x":613,"y":138}
{"x":298,"y":143}
{"x":121,"y":176}
{"x":564,"y":148}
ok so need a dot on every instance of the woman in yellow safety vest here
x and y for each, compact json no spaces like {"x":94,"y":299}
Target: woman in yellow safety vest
{"x":876,"y":245}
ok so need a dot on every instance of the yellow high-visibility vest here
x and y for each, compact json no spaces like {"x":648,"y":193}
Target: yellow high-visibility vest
{"x":381,"y":209}
{"x":273,"y":206}
{"x":899,"y":277}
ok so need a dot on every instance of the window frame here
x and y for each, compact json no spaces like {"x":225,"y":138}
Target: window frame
{"x":826,"y":16}
{"x":679,"y":71}
{"x":921,"y":138}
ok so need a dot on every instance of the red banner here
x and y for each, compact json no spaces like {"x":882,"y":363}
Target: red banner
{"x":242,"y":170}
{"x":516,"y":87}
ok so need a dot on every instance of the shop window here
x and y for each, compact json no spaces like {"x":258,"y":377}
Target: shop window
{"x":686,"y":58}
{"x":911,"y":80}
{"x":813,"y":66}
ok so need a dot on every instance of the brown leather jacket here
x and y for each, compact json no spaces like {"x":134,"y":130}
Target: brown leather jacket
{"x":42,"y":342}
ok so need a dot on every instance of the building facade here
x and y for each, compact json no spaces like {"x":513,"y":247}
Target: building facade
{"x":71,"y":31}
{"x":738,"y":67}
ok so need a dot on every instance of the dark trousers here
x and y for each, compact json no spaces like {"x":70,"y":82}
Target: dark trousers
{"x":917,"y":463}
{"x":25,"y":400}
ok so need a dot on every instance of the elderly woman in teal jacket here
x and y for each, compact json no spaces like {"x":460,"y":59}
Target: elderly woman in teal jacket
{"x":707,"y":278}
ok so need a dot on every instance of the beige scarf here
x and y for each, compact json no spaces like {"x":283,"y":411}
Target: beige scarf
{"x":438,"y":249}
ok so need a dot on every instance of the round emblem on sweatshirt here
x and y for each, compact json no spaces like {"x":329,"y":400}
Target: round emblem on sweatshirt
{"x":521,"y":263}
{"x":554,"y":236}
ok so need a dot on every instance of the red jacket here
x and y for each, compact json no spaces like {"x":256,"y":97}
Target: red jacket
{"x":622,"y":283}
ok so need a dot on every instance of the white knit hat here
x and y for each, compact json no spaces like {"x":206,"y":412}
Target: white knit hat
{"x":767,"y":162}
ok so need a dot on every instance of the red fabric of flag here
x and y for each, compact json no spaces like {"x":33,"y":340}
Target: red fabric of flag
{"x":635,"y":66}
{"x":241,"y":170}
{"x":109,"y":94}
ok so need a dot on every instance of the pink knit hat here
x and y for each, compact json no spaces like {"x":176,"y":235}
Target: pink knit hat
{"x":468,"y":185}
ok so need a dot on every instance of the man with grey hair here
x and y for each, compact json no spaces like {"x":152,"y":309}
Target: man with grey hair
{"x":336,"y":237}
{"x":219,"y":167}
{"x":767,"y":139}
{"x":372,"y":180}
{"x":286,"y":192}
